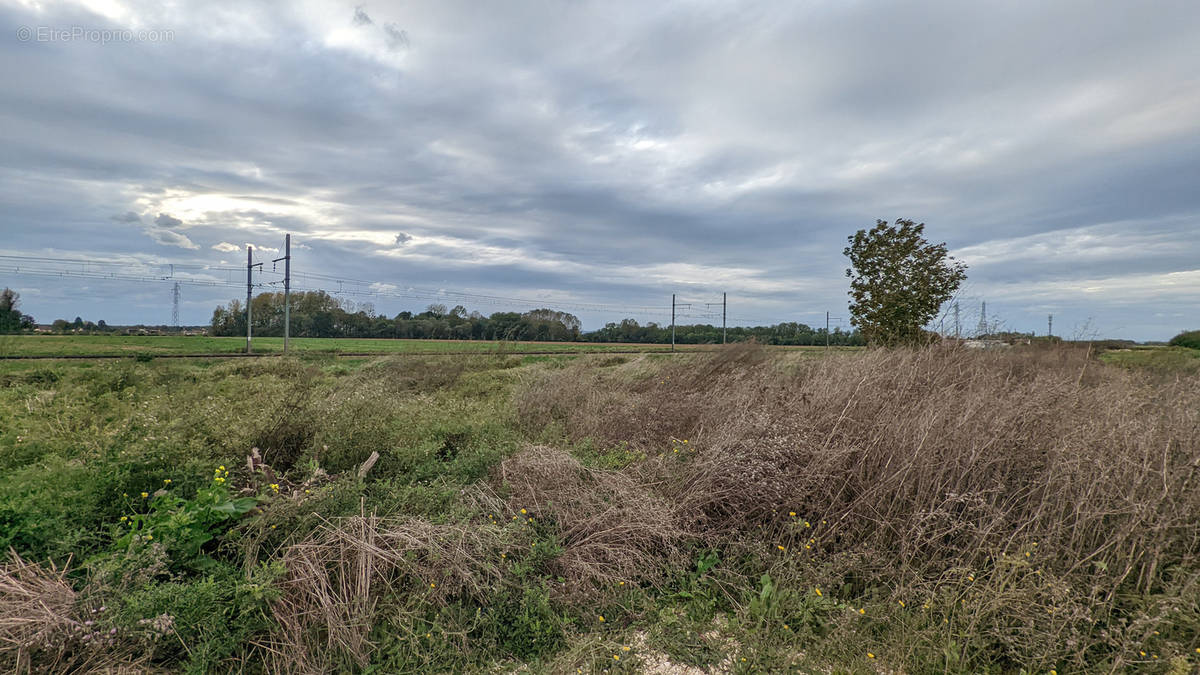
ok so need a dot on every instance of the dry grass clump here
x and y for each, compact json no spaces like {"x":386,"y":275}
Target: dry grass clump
{"x":337,"y":577}
{"x":42,"y":628}
{"x":612,"y":527}
{"x":37,"y":609}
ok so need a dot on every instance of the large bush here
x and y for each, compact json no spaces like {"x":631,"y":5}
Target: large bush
{"x":1189,"y":338}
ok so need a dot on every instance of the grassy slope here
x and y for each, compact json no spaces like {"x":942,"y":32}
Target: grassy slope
{"x":489,"y":574}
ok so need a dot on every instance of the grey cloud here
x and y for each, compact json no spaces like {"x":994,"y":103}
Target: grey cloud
{"x":614,"y":138}
{"x":167,"y":220}
{"x":128,"y":217}
{"x":396,"y":37}
{"x":169,"y":238}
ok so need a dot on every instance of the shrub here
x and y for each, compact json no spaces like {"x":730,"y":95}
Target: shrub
{"x":1189,"y":339}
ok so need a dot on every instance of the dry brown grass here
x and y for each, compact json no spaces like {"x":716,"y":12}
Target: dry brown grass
{"x":37,"y":609}
{"x":612,"y":528}
{"x":336,"y":578}
{"x":43,"y":629}
{"x":929,"y":453}
{"x":916,"y":466}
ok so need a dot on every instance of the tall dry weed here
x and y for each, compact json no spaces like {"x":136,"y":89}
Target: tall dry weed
{"x":337,"y":577}
{"x":613,"y":529}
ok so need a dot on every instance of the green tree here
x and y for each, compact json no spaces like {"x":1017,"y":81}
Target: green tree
{"x":11,"y":318}
{"x":1189,"y":338}
{"x":898,"y":281}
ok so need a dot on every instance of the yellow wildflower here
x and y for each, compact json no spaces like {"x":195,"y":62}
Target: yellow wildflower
{"x":792,"y":514}
{"x":166,"y":481}
{"x":870,"y":655}
{"x":862,"y":610}
{"x":781,"y":547}
{"x":818,"y":592}
{"x":145,"y":494}
{"x":523,"y":511}
{"x":601,"y":618}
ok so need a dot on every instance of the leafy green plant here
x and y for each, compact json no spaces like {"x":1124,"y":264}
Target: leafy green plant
{"x":185,"y":526}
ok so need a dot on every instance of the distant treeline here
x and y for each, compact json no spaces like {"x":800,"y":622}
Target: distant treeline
{"x":787,"y":333}
{"x":318,"y":314}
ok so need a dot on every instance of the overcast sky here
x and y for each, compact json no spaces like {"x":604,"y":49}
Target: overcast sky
{"x":599,"y":156}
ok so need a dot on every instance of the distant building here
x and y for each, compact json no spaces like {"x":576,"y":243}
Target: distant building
{"x":986,"y":344}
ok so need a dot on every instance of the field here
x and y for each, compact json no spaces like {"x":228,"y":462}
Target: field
{"x":48,"y":346}
{"x":747,"y":510}
{"x":1165,"y":360}
{"x":123,"y":345}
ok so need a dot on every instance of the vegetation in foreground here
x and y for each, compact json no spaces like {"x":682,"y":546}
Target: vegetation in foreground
{"x":920,"y":511}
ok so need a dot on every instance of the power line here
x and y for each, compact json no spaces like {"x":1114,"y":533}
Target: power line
{"x":203,"y":275}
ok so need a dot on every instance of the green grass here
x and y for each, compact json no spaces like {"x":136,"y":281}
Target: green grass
{"x":1164,"y":360}
{"x":119,"y":345}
